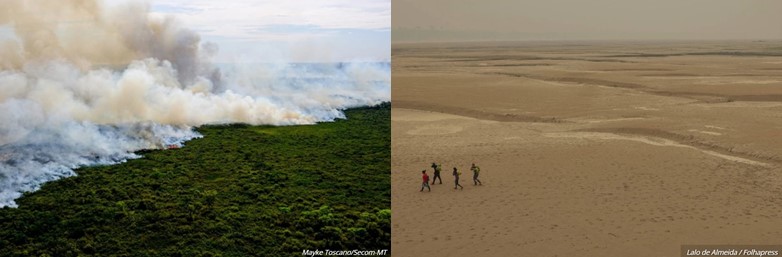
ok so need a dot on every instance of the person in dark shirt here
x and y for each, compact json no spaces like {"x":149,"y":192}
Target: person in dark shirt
{"x":425,"y":184}
{"x":436,"y":173}
{"x":456,"y":175}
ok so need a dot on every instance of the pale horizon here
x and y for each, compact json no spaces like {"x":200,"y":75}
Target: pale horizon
{"x":600,"y":20}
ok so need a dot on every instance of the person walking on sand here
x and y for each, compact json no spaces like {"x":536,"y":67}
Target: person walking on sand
{"x":436,"y":173}
{"x":425,"y":184}
{"x":456,"y":175}
{"x":475,"y":171}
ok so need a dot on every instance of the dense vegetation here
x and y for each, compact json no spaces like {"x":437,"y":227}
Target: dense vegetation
{"x":239,"y":191}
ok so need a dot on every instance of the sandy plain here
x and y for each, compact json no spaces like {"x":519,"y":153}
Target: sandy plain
{"x":586,"y":148}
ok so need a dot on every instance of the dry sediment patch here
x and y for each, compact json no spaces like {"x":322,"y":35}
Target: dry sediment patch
{"x":702,"y":97}
{"x":472,"y":113}
{"x":669,"y":138}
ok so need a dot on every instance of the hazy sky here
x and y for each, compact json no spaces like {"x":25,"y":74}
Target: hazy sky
{"x":301,"y":30}
{"x":273,"y":30}
{"x":468,"y":20}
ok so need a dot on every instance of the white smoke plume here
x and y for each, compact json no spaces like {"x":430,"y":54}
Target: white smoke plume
{"x":84,"y":84}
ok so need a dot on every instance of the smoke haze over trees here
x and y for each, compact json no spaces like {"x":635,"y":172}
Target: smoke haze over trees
{"x":82,"y":83}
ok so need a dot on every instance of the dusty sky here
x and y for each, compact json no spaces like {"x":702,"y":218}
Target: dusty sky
{"x":476,"y":20}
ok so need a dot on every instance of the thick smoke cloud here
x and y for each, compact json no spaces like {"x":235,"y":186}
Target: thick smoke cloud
{"x":82,"y":84}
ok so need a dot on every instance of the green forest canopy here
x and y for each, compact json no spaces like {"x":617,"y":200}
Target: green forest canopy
{"x":239,"y":191}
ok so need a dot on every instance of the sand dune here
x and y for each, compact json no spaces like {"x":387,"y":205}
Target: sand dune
{"x":585,"y":158}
